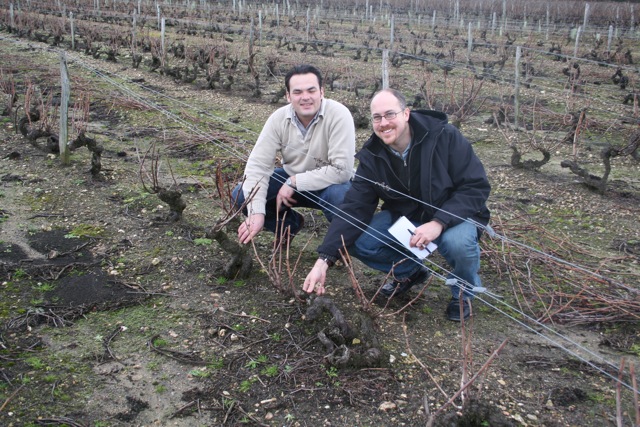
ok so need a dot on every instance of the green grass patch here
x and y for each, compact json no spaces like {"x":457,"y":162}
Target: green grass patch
{"x":85,"y":230}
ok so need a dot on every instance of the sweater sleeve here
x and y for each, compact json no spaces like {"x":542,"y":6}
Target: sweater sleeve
{"x":261,"y":162}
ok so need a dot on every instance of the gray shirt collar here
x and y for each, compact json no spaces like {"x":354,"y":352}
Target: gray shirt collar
{"x":404,"y":154}
{"x":297,"y":122}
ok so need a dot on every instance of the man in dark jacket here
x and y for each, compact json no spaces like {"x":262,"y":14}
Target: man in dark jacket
{"x":422,"y":168}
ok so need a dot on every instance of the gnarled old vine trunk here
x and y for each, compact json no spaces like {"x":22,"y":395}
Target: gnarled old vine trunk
{"x":241,"y":262}
{"x":600,"y":183}
{"x":96,"y":153}
{"x":344,"y":346}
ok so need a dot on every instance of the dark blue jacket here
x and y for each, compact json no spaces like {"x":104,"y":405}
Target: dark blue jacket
{"x":450,"y":180}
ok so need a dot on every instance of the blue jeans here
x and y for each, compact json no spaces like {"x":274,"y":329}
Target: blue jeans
{"x":378,"y":249}
{"x":327,"y":200}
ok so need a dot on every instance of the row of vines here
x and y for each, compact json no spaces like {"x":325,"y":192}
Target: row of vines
{"x":542,"y":74}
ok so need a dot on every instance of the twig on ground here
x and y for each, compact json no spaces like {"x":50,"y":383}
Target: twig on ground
{"x":244,"y":315}
{"x":235,"y":405}
{"x":58,"y":421}
{"x":107,"y":341}
{"x":182,"y":357}
{"x":425,"y":405}
{"x":8,"y":399}
{"x":183,"y":408}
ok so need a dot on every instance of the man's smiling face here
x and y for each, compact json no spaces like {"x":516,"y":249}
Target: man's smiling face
{"x":395,"y":131}
{"x":305,"y":95}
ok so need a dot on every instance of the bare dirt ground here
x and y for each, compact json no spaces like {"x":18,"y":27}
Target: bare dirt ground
{"x":114,"y":316}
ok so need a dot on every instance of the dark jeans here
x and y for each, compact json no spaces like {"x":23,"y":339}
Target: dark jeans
{"x":327,"y":200}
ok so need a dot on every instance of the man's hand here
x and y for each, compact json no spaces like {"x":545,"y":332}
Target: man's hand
{"x":426,"y":234}
{"x":250,"y":227}
{"x":316,"y":278}
{"x":285,"y":197}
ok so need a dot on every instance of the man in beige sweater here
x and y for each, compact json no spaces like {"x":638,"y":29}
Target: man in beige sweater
{"x":315,"y":139}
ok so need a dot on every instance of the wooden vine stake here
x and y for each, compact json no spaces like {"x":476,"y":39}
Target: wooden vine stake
{"x":385,"y":69}
{"x":586,"y":18}
{"x":308,"y":24}
{"x":546,"y":36}
{"x":516,"y":101}
{"x":494,"y":21}
{"x":393,"y":29}
{"x":469,"y":41}
{"x":73,"y":33}
{"x":162,"y":34}
{"x":578,"y":34}
{"x":64,"y":110}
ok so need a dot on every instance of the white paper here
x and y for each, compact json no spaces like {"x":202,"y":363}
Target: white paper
{"x":402,"y":230}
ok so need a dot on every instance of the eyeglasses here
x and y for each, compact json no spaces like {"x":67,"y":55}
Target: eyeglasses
{"x":388,"y":116}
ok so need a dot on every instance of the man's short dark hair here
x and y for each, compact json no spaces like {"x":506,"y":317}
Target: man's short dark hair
{"x":303,"y":69}
{"x":397,"y":94}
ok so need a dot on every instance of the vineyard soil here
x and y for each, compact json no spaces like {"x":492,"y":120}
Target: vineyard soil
{"x":115,"y":316}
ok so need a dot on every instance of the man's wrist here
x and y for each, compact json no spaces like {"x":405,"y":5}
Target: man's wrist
{"x":326,"y":259}
{"x":437,"y":221}
{"x":291,"y":182}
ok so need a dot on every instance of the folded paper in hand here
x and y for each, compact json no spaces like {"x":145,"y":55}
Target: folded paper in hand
{"x":402,"y":230}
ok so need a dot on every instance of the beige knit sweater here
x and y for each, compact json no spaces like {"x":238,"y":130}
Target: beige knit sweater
{"x":322,"y":158}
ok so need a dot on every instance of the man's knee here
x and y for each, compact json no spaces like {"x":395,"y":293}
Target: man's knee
{"x":334,"y":194}
{"x":237,"y":196}
{"x":461,"y":239}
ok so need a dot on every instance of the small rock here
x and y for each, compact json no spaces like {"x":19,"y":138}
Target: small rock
{"x":532,"y":417}
{"x":518,"y":418}
{"x":387,"y":406}
{"x":108,"y":368}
